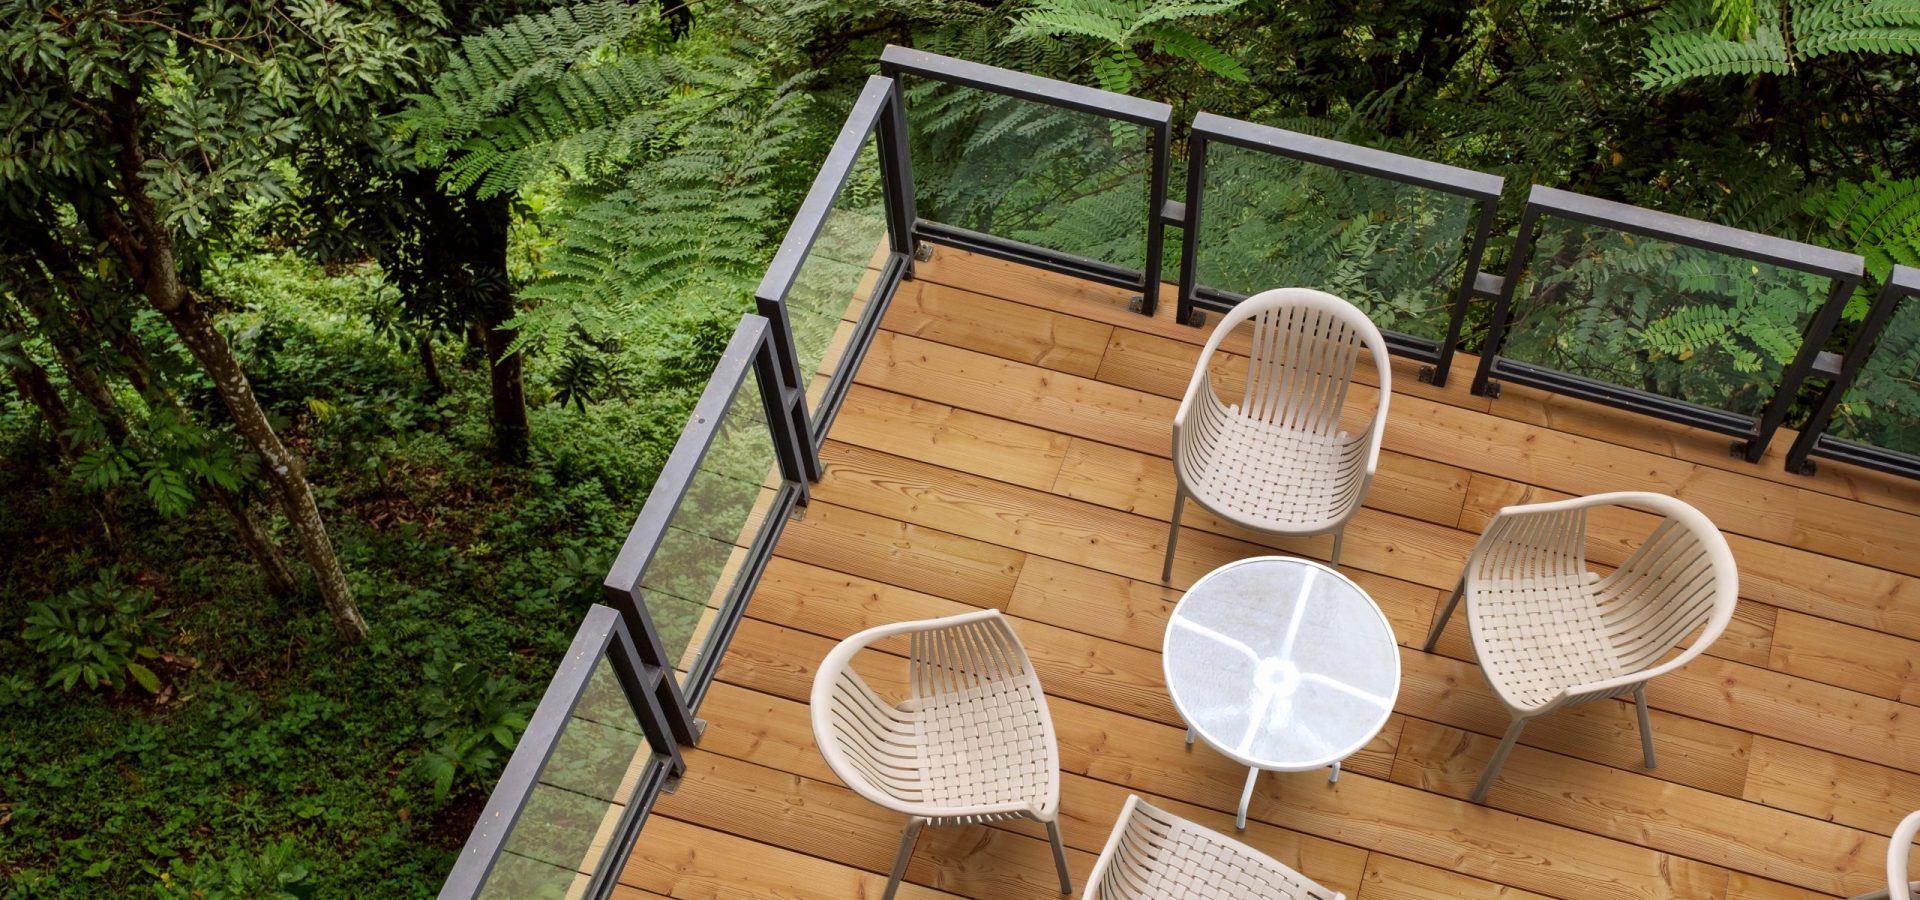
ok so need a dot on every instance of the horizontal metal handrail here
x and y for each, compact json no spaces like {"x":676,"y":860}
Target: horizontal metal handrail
{"x":1348,"y":157}
{"x":1126,"y":107}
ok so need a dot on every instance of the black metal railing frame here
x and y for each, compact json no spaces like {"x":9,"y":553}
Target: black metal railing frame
{"x":1479,"y":187}
{"x":603,"y":635}
{"x":877,"y":114}
{"x":1901,"y":286}
{"x":623,"y":632}
{"x":1156,"y":118}
{"x":1754,"y":433}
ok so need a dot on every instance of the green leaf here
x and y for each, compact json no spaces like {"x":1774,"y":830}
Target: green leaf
{"x":144,"y":676}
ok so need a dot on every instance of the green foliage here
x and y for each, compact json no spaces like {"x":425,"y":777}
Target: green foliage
{"x":541,"y":91}
{"x":97,"y":634}
{"x":472,"y":719}
{"x":275,"y":873}
{"x":1878,"y":219}
{"x":1122,"y":29}
{"x":1705,"y":38}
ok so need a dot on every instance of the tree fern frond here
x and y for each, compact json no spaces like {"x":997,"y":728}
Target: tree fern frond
{"x":1686,"y":45}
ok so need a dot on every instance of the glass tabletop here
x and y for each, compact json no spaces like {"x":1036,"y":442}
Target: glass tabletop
{"x":1281,"y":663}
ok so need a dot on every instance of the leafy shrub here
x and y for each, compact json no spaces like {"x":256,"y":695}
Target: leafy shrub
{"x":276,"y":873}
{"x":96,"y":633}
{"x":474,"y":718}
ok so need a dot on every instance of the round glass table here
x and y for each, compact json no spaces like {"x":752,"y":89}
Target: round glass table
{"x":1281,"y":664}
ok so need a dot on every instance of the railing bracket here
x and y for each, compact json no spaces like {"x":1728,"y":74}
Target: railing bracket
{"x":1196,"y":318}
{"x":1492,"y":391}
{"x":1137,"y":303}
{"x":923,"y":251}
{"x":797,"y":514}
{"x":1426,"y":374}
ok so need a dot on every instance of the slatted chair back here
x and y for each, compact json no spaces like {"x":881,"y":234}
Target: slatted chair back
{"x":1155,"y":855}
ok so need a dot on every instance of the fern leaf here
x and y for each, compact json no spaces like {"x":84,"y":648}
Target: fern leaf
{"x":1686,"y":45}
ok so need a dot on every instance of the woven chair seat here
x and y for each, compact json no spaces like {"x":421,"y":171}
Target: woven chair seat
{"x":1540,"y":636}
{"x":1155,"y":855}
{"x":1269,"y":477}
{"x":983,"y":747}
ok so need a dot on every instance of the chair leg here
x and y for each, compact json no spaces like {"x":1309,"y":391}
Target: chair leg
{"x":1499,"y":759}
{"x":1173,"y":533}
{"x":1433,"y":637}
{"x":1059,"y":857}
{"x":1646,"y":728}
{"x":1338,"y":536}
{"x":906,"y":854}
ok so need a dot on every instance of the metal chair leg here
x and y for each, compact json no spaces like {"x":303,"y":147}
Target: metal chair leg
{"x":1433,"y":637}
{"x":1060,"y":857}
{"x":1338,"y":536}
{"x":1646,"y":728}
{"x":906,"y":854}
{"x":1173,"y":533}
{"x":1499,"y":759}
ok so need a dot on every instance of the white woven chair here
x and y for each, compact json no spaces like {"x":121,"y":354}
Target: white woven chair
{"x":1551,"y":633}
{"x":1155,"y":855}
{"x":973,"y":744}
{"x":1898,"y":849}
{"x":1277,"y":461}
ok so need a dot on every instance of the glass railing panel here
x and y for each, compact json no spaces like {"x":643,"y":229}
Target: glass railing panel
{"x":1708,"y":328}
{"x":840,"y":272}
{"x":721,"y":515}
{"x":1064,"y":180}
{"x":564,"y":829}
{"x":1396,"y":250}
{"x":1882,"y":407}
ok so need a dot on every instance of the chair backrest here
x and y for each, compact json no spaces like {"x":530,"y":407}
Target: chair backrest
{"x":1306,"y":344}
{"x":867,"y":740}
{"x":1898,"y":850}
{"x":1682,"y":578}
{"x":1148,"y":842}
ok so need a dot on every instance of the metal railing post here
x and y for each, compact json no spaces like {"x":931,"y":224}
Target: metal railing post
{"x":896,"y":173}
{"x":1156,"y":228}
{"x":1902,"y":285}
{"x":1503,"y":305}
{"x":1184,"y":313}
{"x":1796,"y":373}
{"x":1470,"y":284}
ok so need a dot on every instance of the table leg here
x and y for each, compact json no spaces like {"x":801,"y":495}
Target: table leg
{"x":1335,"y":777}
{"x":1246,"y":798}
{"x":1189,"y":736}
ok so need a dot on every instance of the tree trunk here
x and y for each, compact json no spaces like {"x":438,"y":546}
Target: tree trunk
{"x":65,"y":332}
{"x":491,"y":219}
{"x":423,"y":345}
{"x":253,"y":533}
{"x":147,"y":247}
{"x":38,"y":390}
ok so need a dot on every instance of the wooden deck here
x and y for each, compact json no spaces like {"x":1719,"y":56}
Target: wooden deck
{"x":1006,"y":445}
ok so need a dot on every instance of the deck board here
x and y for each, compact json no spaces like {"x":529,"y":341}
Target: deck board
{"x":1005,"y":445}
